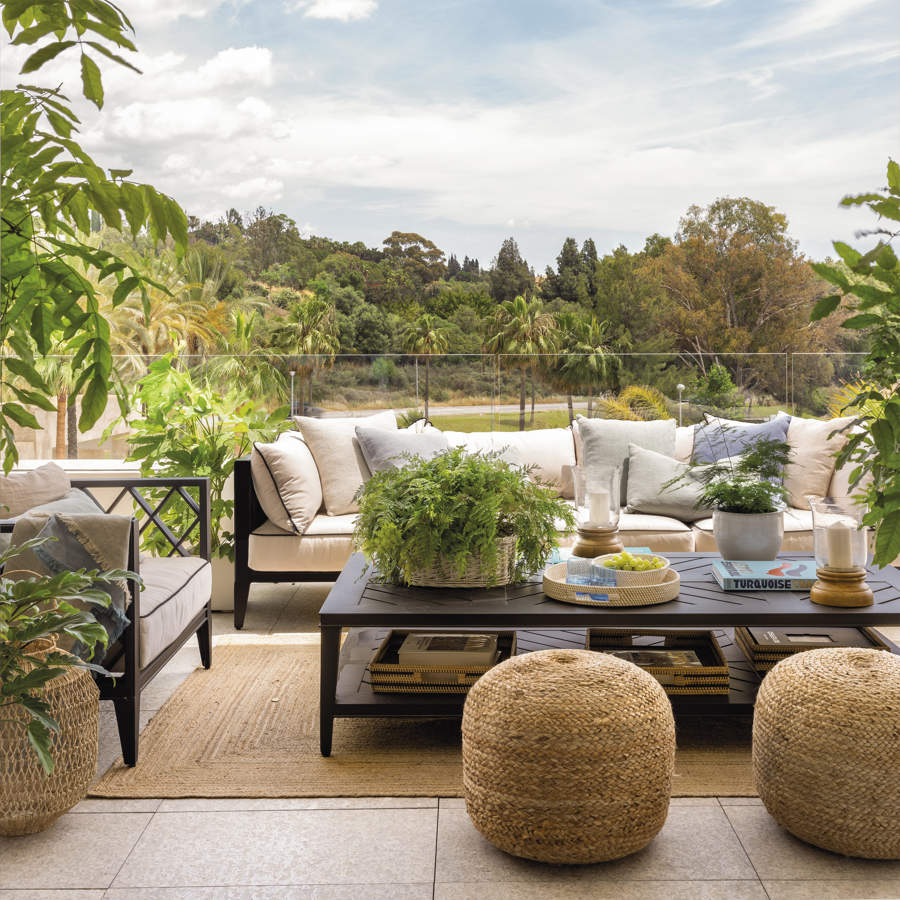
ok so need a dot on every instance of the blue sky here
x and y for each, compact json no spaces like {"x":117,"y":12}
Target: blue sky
{"x":471,"y":121}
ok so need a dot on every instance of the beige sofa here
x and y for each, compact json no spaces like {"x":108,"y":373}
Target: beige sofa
{"x":268,"y":553}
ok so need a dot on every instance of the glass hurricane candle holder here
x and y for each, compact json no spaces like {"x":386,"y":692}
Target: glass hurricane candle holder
{"x":841,"y":550}
{"x":597,"y":510}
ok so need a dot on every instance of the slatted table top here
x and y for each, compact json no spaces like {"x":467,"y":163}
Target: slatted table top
{"x":357,"y":599}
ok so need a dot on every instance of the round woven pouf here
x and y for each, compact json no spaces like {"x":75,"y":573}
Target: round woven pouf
{"x":826,"y":749}
{"x":568,"y":756}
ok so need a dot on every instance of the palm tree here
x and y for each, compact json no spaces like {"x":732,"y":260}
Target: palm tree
{"x":425,"y":337}
{"x":57,"y":372}
{"x":308,"y":331}
{"x":588,"y":362}
{"x":523,"y":330}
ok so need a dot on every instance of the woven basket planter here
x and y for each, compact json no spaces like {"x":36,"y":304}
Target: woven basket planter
{"x":443,"y":573}
{"x":568,"y":756}
{"x":826,"y":749}
{"x":30,"y":800}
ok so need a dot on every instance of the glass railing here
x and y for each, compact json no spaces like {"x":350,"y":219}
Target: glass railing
{"x":464,"y":392}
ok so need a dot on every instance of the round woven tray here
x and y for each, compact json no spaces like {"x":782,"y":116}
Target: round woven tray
{"x":555,"y":586}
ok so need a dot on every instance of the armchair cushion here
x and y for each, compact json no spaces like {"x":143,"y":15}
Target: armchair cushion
{"x":176,"y":588}
{"x":20,"y":491}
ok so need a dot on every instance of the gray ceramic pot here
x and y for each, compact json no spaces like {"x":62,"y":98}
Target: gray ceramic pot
{"x":748,"y":535}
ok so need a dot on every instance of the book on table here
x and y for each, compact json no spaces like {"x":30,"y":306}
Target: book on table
{"x":772,"y":575}
{"x":444,"y":649}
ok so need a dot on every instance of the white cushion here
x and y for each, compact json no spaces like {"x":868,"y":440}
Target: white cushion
{"x":812,"y":456}
{"x":384,"y":449}
{"x":20,"y":491}
{"x":551,"y":451}
{"x":605,"y":442}
{"x":684,"y":443}
{"x":339,"y":459}
{"x":176,"y":588}
{"x":325,"y":547}
{"x":381,"y":420}
{"x":286,"y":481}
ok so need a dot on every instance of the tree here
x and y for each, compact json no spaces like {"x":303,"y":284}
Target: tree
{"x":453,"y":267}
{"x":510,"y":275}
{"x":271,"y":239}
{"x":372,"y":329}
{"x":48,"y":189}
{"x":569,"y":282}
{"x":584,"y":362}
{"x":416,"y":254}
{"x":425,"y":337}
{"x":734,"y":283}
{"x":523,"y":330}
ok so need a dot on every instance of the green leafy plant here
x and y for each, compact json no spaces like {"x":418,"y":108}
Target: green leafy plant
{"x":456,"y":506}
{"x":35,"y":610}
{"x":193,"y":430}
{"x":49,"y":189}
{"x":746,"y":483}
{"x":715,"y":388}
{"x":870,"y":292}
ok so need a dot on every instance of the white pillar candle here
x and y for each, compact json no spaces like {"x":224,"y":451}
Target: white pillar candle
{"x":839,"y":544}
{"x":598,"y":508}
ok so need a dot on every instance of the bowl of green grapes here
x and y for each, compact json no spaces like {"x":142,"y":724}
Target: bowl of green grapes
{"x":631,"y":569}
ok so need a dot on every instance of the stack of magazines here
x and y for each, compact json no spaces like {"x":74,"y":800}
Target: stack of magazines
{"x":683,"y":662}
{"x":436,"y":662}
{"x":765,"y":647}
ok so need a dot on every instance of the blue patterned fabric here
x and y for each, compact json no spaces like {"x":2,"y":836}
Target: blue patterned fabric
{"x":714,"y":441}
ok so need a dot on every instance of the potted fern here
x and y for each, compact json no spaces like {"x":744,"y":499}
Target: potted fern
{"x":747,"y":497}
{"x":458,"y":520}
{"x":49,"y":704}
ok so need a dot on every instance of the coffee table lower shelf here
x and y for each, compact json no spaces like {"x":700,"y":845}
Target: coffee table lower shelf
{"x":354,"y":697}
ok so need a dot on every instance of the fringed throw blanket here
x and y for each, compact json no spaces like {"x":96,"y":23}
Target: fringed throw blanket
{"x":83,"y":541}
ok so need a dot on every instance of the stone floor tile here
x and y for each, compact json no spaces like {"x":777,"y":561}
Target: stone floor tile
{"x":283,"y":847}
{"x":695,"y":844}
{"x":76,"y":852}
{"x":98,"y":805}
{"x":63,"y":894}
{"x":740,"y":801}
{"x":597,"y":890}
{"x":693,"y":801}
{"x":855,"y":889}
{"x":452,"y":803}
{"x":235,"y":804}
{"x":280,"y":892}
{"x":777,"y":855}
{"x":110,"y":749}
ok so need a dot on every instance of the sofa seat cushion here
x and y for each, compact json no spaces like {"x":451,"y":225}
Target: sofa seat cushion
{"x":176,"y":588}
{"x":325,"y":547}
{"x":798,"y":535}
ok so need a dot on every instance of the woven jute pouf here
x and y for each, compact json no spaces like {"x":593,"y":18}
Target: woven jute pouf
{"x":826,"y":749}
{"x":568,"y":756}
{"x":31,"y":801}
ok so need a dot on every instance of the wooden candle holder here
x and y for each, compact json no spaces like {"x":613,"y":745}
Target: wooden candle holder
{"x":841,"y":587}
{"x":593,"y":541}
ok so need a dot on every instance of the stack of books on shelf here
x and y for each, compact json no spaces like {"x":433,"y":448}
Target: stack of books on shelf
{"x":683,"y":662}
{"x":766,"y":646}
{"x":436,"y":662}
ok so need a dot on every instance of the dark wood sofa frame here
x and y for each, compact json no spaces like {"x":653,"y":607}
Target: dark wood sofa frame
{"x":248,"y":515}
{"x":126,"y":687}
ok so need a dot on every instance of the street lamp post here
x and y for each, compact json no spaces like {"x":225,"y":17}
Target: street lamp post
{"x":293,"y":411}
{"x":680,"y":389}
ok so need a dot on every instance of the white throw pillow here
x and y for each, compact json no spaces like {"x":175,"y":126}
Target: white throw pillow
{"x":684,"y":443}
{"x":339,"y":458}
{"x":550,"y":452}
{"x":20,"y":491}
{"x":649,"y":473}
{"x":605,"y":442}
{"x":287,"y":482}
{"x":384,"y":449}
{"x":812,"y":457}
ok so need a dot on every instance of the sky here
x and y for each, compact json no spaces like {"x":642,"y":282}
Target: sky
{"x":469,"y":122}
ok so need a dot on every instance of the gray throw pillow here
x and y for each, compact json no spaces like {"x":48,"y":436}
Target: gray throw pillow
{"x":605,"y":442}
{"x":718,"y":438}
{"x":385,"y":449}
{"x":648,"y":473}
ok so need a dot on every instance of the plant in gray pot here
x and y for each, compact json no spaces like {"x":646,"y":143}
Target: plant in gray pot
{"x":747,"y":497}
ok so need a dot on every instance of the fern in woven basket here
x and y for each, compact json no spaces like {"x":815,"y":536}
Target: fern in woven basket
{"x":454,"y":508}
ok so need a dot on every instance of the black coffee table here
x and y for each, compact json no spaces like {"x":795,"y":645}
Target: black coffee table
{"x":370,"y":610}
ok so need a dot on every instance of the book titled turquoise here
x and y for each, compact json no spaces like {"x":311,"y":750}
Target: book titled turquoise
{"x":772,"y":575}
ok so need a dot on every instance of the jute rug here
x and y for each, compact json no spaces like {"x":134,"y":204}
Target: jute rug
{"x":248,"y":727}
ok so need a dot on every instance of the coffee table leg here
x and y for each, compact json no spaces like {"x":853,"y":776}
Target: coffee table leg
{"x":330,"y":652}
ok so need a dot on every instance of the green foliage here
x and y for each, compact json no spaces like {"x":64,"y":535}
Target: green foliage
{"x":49,"y":188}
{"x":456,"y":506}
{"x":637,"y":402}
{"x":193,"y":430}
{"x":35,"y":610}
{"x":871,"y":294}
{"x":716,"y":387}
{"x":748,"y":483}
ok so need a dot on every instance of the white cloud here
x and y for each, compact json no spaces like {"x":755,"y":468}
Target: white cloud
{"x":810,"y":17}
{"x":150,"y":13}
{"x":257,"y":190}
{"x":237,"y":65}
{"x":342,"y":10}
